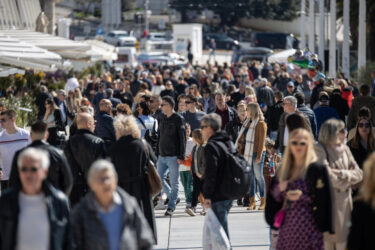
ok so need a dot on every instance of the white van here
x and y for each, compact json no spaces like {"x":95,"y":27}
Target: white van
{"x":126,"y":56}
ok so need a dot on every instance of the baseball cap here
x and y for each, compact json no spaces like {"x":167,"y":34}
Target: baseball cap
{"x":290,"y":84}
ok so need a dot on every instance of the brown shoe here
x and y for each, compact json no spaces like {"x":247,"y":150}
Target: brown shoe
{"x":262,"y":203}
{"x":252,"y":204}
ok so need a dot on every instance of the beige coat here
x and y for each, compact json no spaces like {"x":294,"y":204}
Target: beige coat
{"x":352,"y":174}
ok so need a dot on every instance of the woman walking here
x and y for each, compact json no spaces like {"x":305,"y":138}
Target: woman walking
{"x":344,"y":172}
{"x":54,"y":122}
{"x":302,"y":190}
{"x":130,"y":158}
{"x":251,"y":144}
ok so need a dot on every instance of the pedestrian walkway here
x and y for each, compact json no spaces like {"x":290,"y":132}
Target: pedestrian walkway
{"x":248,"y":230}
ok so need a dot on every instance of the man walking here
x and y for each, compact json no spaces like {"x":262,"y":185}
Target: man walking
{"x":82,"y":149}
{"x":59,"y":174}
{"x":12,"y":139}
{"x":34,"y":216}
{"x":172,"y":142}
{"x":104,"y":126}
{"x":215,"y":158}
{"x":192,"y":115}
{"x":226,"y":113}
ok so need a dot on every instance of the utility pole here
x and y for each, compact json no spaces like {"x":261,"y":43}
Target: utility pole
{"x":321,"y":32}
{"x":147,"y":2}
{"x":332,"y":41}
{"x":362,"y":34}
{"x":312,"y":26}
{"x":302,"y":45}
{"x":345,"y":43}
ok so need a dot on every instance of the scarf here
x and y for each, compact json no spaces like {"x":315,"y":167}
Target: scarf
{"x":249,"y":140}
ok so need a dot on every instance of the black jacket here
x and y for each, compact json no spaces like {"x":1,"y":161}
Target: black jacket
{"x":82,"y":150}
{"x":130,"y":158}
{"x":89,"y":231}
{"x":233,"y":128}
{"x":104,"y":127}
{"x":172,"y":136}
{"x":274,"y":114}
{"x":53,"y":138}
{"x":321,"y":195}
{"x":311,"y":115}
{"x":59,"y":174}
{"x":315,"y":94}
{"x":341,"y":106}
{"x":361,"y":235}
{"x":215,"y":159}
{"x":360,"y":154}
{"x":58,"y":215}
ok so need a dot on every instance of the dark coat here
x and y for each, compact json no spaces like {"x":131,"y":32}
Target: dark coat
{"x":211,"y":104}
{"x":215,"y":158}
{"x":265,"y":95}
{"x":40,"y":101}
{"x":59,"y":174}
{"x":89,"y":231}
{"x":104,"y":127}
{"x":315,"y":94}
{"x":130,"y":159}
{"x":53,"y":138}
{"x":340,"y":105}
{"x":361,"y":235}
{"x":360,"y":154}
{"x":274,"y":115}
{"x":311,"y":115}
{"x":82,"y":150}
{"x":233,"y":128}
{"x":321,"y":195}
{"x":58,"y":215}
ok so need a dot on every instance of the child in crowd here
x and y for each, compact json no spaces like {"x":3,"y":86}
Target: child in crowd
{"x":185,"y":175}
{"x":271,"y":162}
{"x":197,"y":169}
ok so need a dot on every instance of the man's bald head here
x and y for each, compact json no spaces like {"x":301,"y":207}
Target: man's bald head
{"x":105,"y":105}
{"x":85,"y":121}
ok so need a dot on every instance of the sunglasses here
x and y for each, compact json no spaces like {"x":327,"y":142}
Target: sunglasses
{"x":296,"y":143}
{"x":188,"y":102}
{"x":31,"y":169}
{"x":364,"y":125}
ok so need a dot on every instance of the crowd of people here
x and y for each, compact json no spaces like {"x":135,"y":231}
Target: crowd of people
{"x":308,"y":143}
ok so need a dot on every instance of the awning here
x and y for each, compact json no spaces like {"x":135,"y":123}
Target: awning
{"x":6,"y":71}
{"x":101,"y":51}
{"x":21,"y":54}
{"x":68,"y":49}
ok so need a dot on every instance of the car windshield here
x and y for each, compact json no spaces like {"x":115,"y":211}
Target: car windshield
{"x":122,"y":34}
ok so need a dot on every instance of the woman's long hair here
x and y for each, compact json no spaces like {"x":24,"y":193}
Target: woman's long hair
{"x":288,"y":160}
{"x":52,"y":103}
{"x":367,"y":191}
{"x":255,"y":111}
{"x":357,"y":137}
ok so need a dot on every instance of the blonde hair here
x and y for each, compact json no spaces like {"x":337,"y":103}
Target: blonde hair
{"x":329,"y":131}
{"x":126,"y":125}
{"x":288,"y":159}
{"x":367,"y":191}
{"x":255,"y":111}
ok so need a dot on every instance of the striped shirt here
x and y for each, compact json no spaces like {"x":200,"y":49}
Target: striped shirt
{"x":9,"y":145}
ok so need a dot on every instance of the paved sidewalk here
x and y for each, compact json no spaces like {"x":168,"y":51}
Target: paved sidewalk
{"x":248,"y":230}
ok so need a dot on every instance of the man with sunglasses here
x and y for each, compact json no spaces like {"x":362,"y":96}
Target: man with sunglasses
{"x":59,"y":174}
{"x":192,"y":115}
{"x":34,"y":216}
{"x":12,"y":139}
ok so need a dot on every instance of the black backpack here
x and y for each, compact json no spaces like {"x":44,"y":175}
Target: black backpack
{"x":236,"y":174}
{"x":151,"y":136}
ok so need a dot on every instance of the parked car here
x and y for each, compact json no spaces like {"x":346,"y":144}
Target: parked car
{"x":275,"y":40}
{"x":251,"y":54}
{"x":120,"y":38}
{"x":222,"y":41}
{"x":159,"y":36}
{"x":157,"y":58}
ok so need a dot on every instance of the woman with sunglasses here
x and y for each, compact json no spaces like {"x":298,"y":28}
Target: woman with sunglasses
{"x":56,"y":129}
{"x":344,"y":172}
{"x":363,"y":142}
{"x":301,"y":189}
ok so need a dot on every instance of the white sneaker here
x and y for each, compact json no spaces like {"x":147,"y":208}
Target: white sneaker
{"x":160,"y":205}
{"x":189,"y":211}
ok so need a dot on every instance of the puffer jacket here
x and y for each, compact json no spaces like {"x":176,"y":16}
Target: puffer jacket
{"x":58,"y":215}
{"x":59,"y":173}
{"x":172,"y":139}
{"x":82,"y":150}
{"x":89,"y":232}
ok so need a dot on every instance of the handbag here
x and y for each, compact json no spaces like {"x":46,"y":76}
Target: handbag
{"x":279,"y":217}
{"x":153,"y":176}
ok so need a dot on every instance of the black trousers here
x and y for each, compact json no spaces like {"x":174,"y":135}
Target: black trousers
{"x":197,"y":189}
{"x":4,"y":185}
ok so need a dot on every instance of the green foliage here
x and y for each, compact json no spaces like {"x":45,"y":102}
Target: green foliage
{"x":364,"y":73}
{"x":5,"y":82}
{"x":56,"y":86}
{"x":95,"y":70}
{"x":24,"y":118}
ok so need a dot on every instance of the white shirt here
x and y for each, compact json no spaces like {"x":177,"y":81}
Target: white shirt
{"x":188,"y":150}
{"x":149,"y":122}
{"x":157,"y":89}
{"x":33,"y":224}
{"x":9,"y":145}
{"x":71,"y":84}
{"x":286,"y":136}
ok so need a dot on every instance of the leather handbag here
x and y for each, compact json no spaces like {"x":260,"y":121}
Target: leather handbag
{"x":153,"y":176}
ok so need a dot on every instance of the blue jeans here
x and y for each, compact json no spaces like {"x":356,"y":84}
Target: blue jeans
{"x":169,"y":164}
{"x":221,"y":210}
{"x":257,"y":177}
